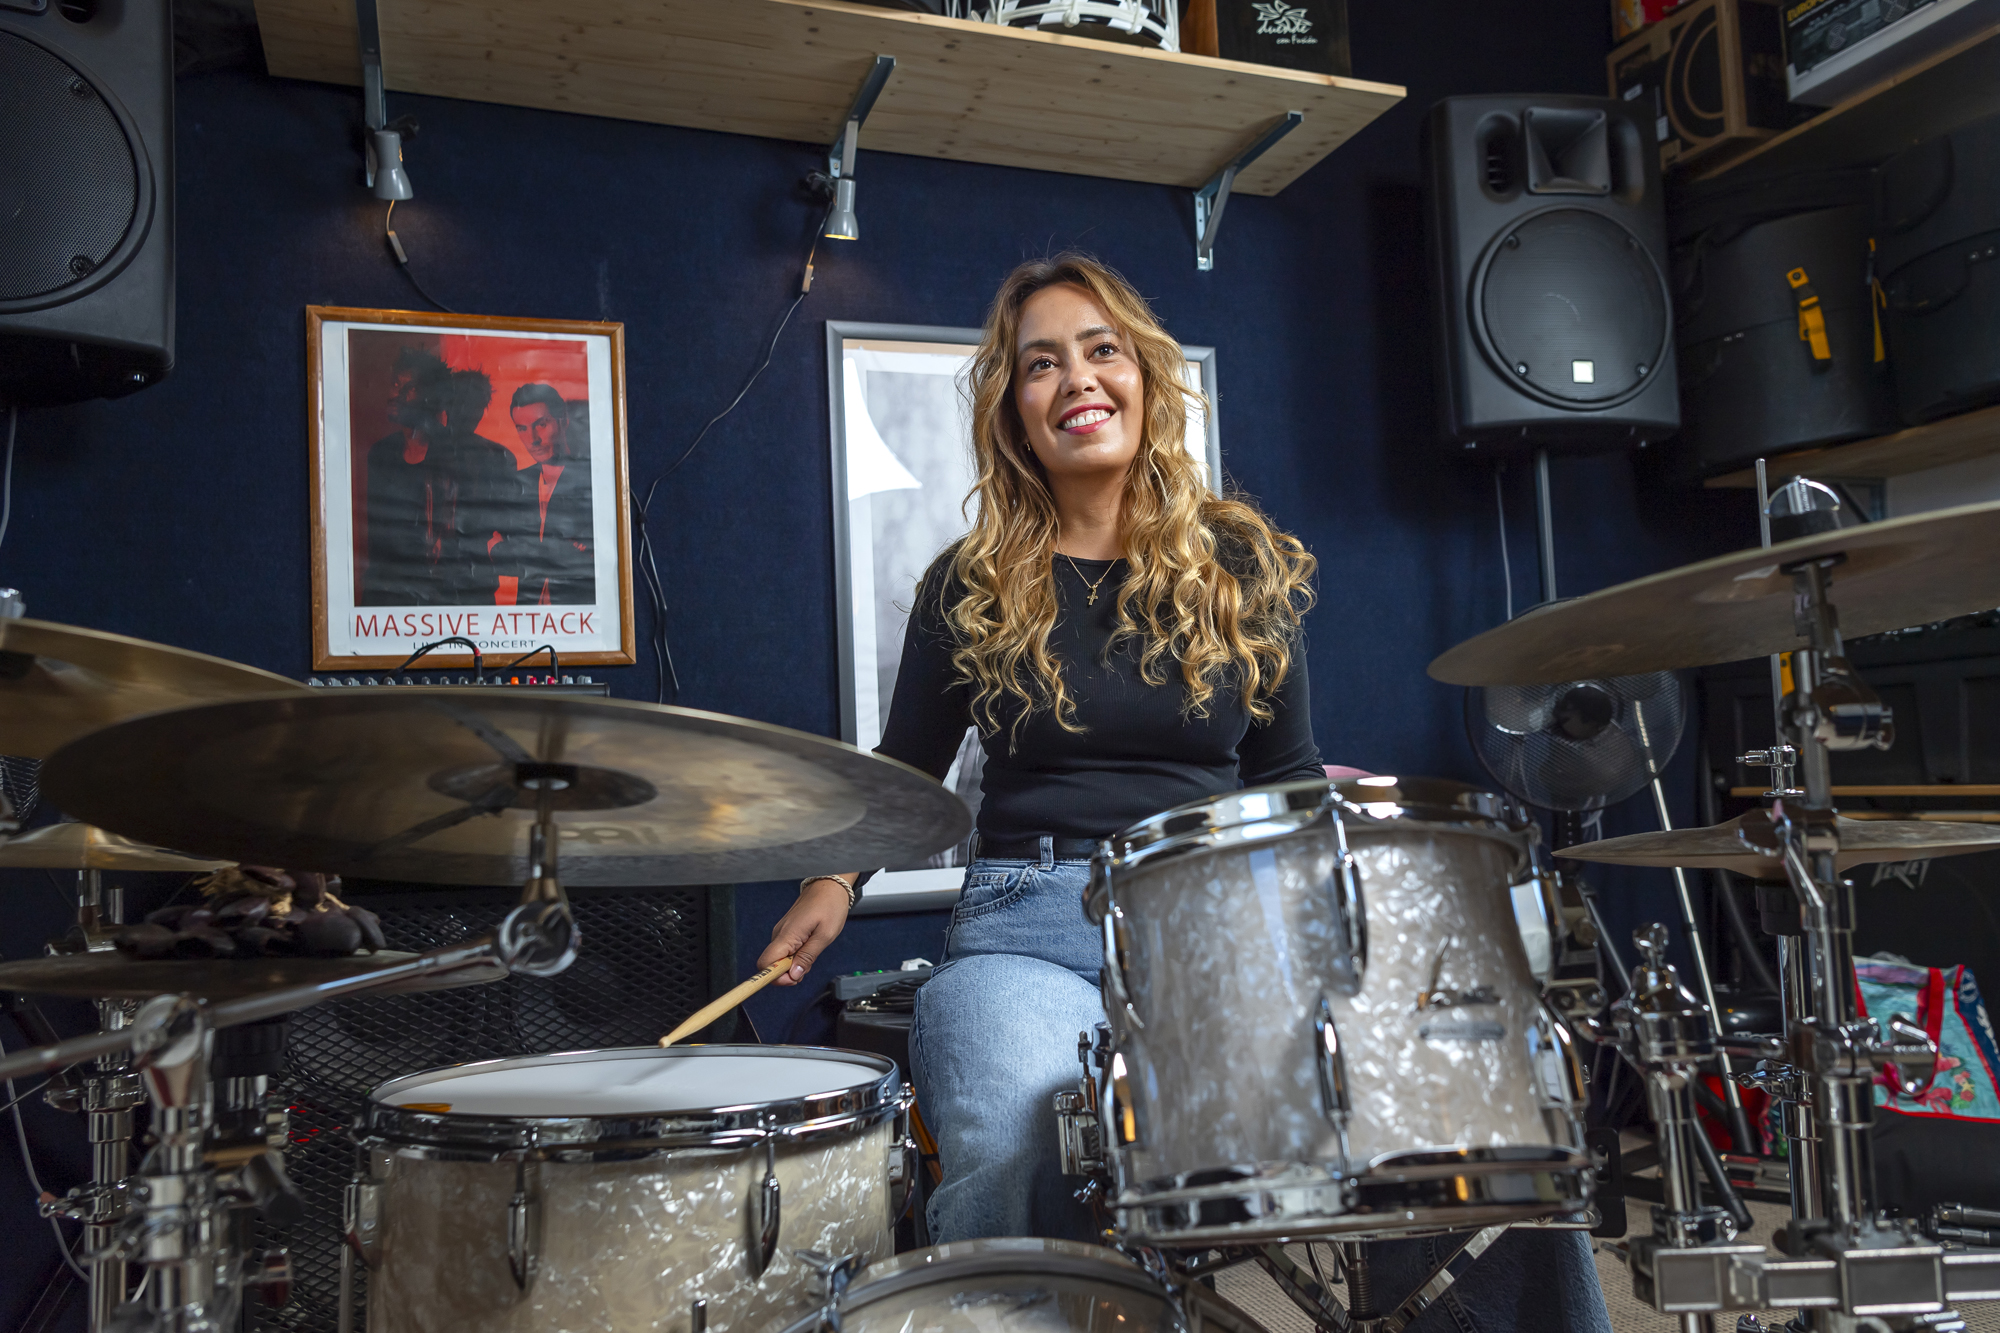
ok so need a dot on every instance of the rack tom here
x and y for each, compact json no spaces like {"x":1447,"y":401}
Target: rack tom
{"x":611,"y":1189}
{"x":1323,"y":1021}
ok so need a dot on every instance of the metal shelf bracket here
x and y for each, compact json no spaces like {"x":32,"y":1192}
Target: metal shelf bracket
{"x":1211,"y":198}
{"x":840,"y":157}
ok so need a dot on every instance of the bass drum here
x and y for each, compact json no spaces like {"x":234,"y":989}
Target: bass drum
{"x":1017,"y":1285}
{"x":1154,"y":23}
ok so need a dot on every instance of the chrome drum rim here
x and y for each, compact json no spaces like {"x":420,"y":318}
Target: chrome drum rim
{"x":451,"y":1136}
{"x":1450,"y":1190}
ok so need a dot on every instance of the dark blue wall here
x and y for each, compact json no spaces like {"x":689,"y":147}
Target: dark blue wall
{"x":179,"y":514}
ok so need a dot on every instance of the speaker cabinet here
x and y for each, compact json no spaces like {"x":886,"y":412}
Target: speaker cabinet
{"x":86,"y":199}
{"x":1548,"y":242}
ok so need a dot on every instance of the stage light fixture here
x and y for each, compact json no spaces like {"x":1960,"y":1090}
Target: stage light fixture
{"x":385,"y":165}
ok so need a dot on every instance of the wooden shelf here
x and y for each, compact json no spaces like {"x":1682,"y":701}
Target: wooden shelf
{"x":784,"y":69}
{"x":1957,"y":85}
{"x":1952,"y":440}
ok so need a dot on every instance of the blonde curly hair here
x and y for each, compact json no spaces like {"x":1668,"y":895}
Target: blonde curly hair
{"x":1211,"y":587}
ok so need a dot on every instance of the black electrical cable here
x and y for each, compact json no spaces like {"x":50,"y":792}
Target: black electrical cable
{"x":478,"y":658}
{"x":34,"y":1178}
{"x":403,"y":260}
{"x":7,"y":487}
{"x":656,"y":588}
{"x":555,"y":667}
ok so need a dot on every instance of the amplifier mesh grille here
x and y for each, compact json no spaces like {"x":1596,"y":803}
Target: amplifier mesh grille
{"x":644,"y":966}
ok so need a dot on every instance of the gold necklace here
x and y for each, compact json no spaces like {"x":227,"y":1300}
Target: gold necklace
{"x":1086,"y":582}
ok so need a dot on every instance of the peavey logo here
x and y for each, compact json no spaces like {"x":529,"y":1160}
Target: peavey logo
{"x":1290,"y":24}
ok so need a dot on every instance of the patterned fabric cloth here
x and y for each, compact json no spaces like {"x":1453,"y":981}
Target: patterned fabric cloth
{"x":1945,"y":1003}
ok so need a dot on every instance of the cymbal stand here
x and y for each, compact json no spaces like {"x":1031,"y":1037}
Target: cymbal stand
{"x":1843,"y":1264}
{"x":106,"y":1096}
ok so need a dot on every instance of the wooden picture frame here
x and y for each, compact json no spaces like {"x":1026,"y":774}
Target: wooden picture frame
{"x":490,"y":453}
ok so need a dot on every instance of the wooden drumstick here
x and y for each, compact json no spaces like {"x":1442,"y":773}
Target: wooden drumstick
{"x":715,"y":1009}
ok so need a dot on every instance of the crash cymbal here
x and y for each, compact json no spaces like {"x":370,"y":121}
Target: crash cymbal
{"x":58,"y":682}
{"x":87,"y":847}
{"x":1720,"y":847}
{"x":110,"y":975}
{"x":429,"y":787}
{"x":1898,"y":573}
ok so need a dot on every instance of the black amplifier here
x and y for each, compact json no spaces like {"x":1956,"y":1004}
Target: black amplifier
{"x":536,"y":684}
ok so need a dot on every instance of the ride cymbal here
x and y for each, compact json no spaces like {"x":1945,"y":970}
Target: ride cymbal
{"x":110,"y":975}
{"x":1893,"y":574}
{"x":1720,"y":846}
{"x":58,"y":682}
{"x":87,"y":847}
{"x":438,"y":786}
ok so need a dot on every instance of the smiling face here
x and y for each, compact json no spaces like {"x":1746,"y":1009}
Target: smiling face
{"x":1077,"y":386}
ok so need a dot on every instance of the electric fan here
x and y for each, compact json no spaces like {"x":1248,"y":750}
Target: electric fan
{"x":1581,"y":745}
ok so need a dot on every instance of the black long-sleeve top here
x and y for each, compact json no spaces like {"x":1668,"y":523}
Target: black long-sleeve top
{"x":1139,"y":753}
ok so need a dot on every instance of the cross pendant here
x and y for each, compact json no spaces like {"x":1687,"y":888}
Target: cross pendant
{"x":1093,"y":598}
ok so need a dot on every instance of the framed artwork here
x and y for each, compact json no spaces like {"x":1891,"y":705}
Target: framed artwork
{"x":468,"y":481}
{"x":902,"y":468}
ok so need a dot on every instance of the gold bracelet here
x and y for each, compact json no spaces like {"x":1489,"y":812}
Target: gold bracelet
{"x":837,"y":880}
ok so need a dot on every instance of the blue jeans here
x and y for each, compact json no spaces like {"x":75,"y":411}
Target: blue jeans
{"x":995,"y":1039}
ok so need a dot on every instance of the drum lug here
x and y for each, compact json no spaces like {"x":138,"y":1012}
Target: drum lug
{"x":1114,"y":967}
{"x":1350,"y":914}
{"x":363,"y":1232}
{"x":524,"y":1227}
{"x":1332,"y":1064}
{"x":766,"y":1212}
{"x":903,"y":1167}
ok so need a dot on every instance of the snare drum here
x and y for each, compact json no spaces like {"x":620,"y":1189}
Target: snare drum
{"x":1019,"y":1285}
{"x":611,"y":1189}
{"x":1323,"y":1022}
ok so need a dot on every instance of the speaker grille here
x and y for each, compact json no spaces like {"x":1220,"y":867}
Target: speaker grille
{"x":645,"y":965}
{"x":1573,"y":308}
{"x":69,"y":179}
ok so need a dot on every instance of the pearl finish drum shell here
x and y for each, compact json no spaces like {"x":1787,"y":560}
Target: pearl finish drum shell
{"x":1228,"y":950}
{"x":630,"y":1234}
{"x":1009,"y":1285}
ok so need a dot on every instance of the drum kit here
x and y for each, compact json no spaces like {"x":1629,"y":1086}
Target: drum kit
{"x":1322,"y":1023}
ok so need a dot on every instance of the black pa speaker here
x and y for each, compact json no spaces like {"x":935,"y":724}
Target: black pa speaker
{"x":86,"y":198}
{"x":1548,"y":242}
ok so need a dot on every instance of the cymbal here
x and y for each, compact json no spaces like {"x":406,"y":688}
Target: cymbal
{"x":1718,"y":847}
{"x":1897,"y":573}
{"x":423,"y":787}
{"x":87,"y":847}
{"x":111,"y":975}
{"x":58,"y":682}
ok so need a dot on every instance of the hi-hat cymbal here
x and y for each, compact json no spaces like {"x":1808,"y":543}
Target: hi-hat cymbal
{"x":87,"y":847}
{"x":1898,"y":573}
{"x":110,"y":975}
{"x":1720,"y":846}
{"x":427,"y":787}
{"x":58,"y":682}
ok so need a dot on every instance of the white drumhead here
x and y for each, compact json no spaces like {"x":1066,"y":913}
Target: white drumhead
{"x":612,"y":1084}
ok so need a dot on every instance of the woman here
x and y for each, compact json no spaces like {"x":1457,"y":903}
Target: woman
{"x":1125,"y":642}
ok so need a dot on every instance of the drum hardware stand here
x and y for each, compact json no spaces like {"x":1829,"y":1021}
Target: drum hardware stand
{"x":1844,"y":1264}
{"x":106,"y":1097}
{"x":835,"y":1272}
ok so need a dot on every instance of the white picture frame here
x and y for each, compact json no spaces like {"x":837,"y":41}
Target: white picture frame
{"x":901,"y":458}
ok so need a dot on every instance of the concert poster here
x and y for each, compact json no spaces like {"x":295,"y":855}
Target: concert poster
{"x":468,"y":481}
